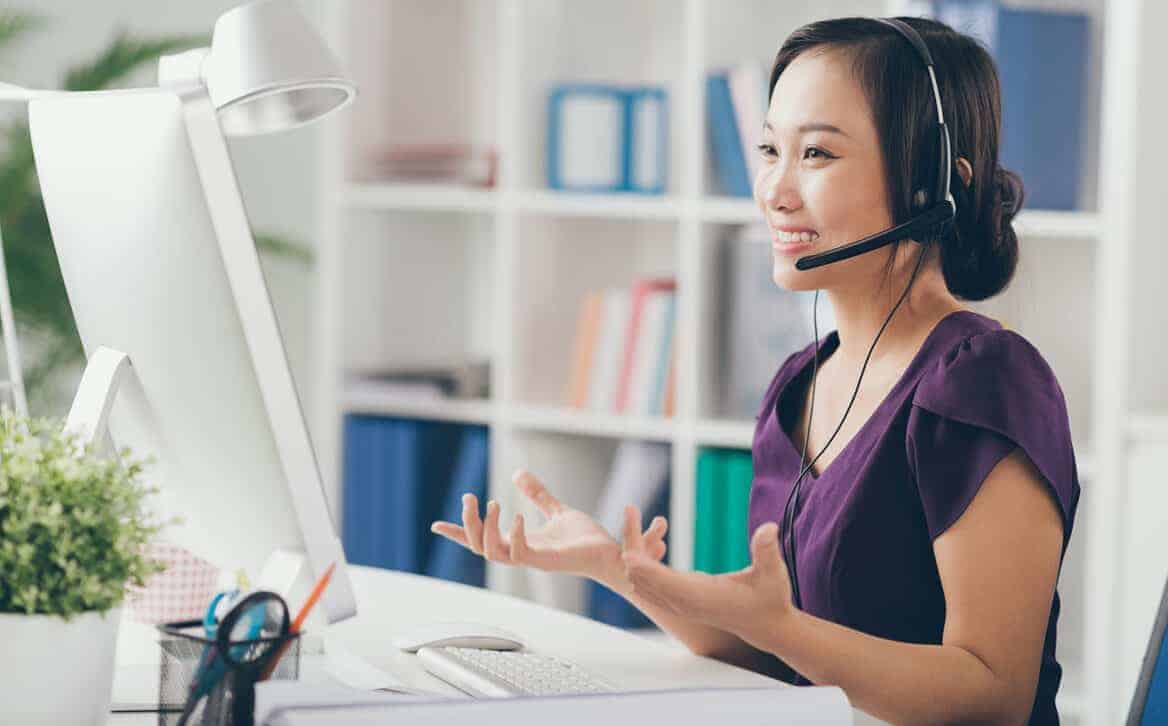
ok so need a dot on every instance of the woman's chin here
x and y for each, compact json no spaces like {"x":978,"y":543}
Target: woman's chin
{"x":787,"y":277}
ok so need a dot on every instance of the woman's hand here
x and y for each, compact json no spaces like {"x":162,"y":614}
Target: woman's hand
{"x":751,"y":603}
{"x":568,"y":541}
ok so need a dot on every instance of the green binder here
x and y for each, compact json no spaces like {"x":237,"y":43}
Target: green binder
{"x":736,"y":491}
{"x":709,"y":512}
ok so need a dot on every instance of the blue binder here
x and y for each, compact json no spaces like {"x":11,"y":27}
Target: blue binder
{"x":450,"y":560}
{"x":1042,"y":61}
{"x":638,"y":158}
{"x":394,"y":477}
{"x":725,"y":142}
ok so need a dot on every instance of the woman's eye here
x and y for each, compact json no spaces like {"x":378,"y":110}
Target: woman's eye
{"x":822,"y":154}
{"x":766,"y":149}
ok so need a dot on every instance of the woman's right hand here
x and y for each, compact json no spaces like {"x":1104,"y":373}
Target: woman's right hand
{"x":569,"y":541}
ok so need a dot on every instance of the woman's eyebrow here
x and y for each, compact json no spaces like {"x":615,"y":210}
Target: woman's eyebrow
{"x":818,"y":126}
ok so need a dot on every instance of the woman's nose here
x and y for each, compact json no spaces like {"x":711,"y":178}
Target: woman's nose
{"x":775,"y":188}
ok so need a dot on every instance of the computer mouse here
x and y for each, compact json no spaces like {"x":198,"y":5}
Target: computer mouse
{"x":458,"y":635}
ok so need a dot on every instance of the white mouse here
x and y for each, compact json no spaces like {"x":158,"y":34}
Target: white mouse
{"x":459,"y":635}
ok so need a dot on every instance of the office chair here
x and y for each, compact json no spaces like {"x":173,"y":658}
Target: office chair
{"x":1150,"y":702}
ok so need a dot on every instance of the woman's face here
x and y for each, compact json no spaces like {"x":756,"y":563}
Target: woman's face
{"x":822,"y":174}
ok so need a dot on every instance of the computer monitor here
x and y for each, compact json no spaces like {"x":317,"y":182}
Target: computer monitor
{"x":160,"y":264}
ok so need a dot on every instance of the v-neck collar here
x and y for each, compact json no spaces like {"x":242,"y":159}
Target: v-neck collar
{"x":826,"y":348}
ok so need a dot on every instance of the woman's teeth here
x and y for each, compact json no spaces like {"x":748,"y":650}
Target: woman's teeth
{"x":798,"y":236}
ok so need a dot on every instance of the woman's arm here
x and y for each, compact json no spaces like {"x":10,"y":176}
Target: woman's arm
{"x":998,"y":565}
{"x":699,"y":638}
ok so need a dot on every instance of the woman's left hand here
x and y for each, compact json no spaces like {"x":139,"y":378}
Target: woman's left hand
{"x":753,"y":603}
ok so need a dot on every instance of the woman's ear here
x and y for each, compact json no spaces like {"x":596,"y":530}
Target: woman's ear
{"x":964,"y":170}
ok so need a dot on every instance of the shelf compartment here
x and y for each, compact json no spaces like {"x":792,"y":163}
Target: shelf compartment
{"x":410,"y":94}
{"x":578,"y":42}
{"x":560,"y":262}
{"x":418,"y":290}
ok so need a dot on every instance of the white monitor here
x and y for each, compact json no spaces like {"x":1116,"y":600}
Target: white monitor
{"x":160,"y":264}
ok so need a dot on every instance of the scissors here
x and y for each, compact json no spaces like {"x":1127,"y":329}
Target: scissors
{"x":235,"y":640}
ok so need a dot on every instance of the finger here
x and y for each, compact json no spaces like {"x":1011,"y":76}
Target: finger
{"x":656,"y":531}
{"x":534,"y":490}
{"x":659,"y":551}
{"x":493,"y":545}
{"x":472,"y":524}
{"x":764,"y":548}
{"x":520,"y":550}
{"x":451,"y":532}
{"x":632,"y":529}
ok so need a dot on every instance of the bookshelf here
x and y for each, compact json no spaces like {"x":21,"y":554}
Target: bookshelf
{"x":501,"y":272}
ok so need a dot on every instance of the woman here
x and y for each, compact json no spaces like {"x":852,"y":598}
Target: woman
{"x":931,"y":526}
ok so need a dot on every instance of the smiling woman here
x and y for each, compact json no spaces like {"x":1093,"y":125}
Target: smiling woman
{"x":917,"y":567}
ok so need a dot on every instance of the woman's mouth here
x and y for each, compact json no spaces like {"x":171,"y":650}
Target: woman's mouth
{"x":787,"y":242}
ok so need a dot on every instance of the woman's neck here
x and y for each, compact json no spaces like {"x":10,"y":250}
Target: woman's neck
{"x":860,"y":313}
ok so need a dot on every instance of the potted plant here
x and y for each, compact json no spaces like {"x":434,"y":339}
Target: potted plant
{"x":73,"y":533}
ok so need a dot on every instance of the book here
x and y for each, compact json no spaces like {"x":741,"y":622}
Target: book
{"x":748,"y":95}
{"x":395,"y":474}
{"x":1041,"y":55}
{"x":449,"y":560}
{"x":648,"y":148}
{"x":435,"y":163}
{"x":739,"y":473}
{"x":583,"y":353}
{"x":606,"y":366}
{"x":709,"y":512}
{"x":641,"y":295}
{"x":656,"y":406}
{"x":725,"y":143}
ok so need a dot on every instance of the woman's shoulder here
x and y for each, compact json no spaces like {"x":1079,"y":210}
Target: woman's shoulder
{"x":985,"y":362}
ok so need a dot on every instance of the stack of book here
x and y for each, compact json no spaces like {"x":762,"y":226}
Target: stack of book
{"x":721,"y":542}
{"x":399,"y":476}
{"x":623,"y":359}
{"x":736,"y":107}
{"x":435,"y":164}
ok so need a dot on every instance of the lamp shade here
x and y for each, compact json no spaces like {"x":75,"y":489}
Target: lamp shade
{"x":269,"y":70}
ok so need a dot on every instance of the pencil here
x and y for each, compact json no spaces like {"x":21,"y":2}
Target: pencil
{"x":313,"y":596}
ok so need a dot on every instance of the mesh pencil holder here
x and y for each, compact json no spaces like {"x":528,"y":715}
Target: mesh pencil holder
{"x":224,"y":694}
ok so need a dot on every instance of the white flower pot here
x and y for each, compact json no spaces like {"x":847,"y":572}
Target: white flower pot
{"x":54,"y":671}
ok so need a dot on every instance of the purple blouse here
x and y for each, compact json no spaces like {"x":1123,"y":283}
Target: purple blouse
{"x":866,"y":524}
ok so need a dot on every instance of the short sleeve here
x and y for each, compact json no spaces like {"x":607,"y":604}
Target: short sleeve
{"x":990,"y":394}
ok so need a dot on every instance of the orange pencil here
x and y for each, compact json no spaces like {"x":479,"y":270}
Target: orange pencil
{"x":313,"y":596}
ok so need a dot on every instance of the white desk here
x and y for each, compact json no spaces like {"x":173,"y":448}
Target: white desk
{"x":389,"y":601}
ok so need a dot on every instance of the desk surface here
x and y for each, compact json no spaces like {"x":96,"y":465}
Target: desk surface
{"x":389,"y":601}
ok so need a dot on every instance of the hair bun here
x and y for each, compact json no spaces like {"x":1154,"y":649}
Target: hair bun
{"x":980,"y":255}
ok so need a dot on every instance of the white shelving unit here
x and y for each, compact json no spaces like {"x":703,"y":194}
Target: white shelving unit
{"x":408,"y":269}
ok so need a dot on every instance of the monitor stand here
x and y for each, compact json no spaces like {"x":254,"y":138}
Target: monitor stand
{"x":284,"y":571}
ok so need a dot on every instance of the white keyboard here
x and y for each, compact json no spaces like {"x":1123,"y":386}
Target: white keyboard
{"x":508,"y":673}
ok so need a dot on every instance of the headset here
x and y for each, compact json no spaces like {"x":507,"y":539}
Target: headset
{"x":933,"y":211}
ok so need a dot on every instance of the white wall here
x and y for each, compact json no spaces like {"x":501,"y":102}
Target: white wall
{"x":276,"y":172}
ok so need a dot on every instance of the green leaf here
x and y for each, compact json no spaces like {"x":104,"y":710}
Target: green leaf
{"x":283,"y":248}
{"x":14,"y":24}
{"x":123,"y":57}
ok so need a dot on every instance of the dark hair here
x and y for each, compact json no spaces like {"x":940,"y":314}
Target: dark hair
{"x":979,"y":252}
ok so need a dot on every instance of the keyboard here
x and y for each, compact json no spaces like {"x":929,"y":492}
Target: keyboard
{"x":508,"y":673}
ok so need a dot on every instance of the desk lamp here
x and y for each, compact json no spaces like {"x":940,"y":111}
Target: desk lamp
{"x":211,"y":397}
